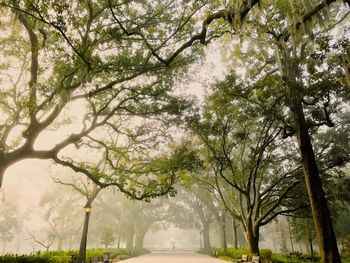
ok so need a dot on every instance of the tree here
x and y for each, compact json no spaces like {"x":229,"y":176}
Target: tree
{"x":251,"y":170}
{"x":92,"y":56}
{"x":107,"y":237}
{"x":249,"y":161}
{"x":46,"y":241}
{"x":131,"y":220}
{"x":89,"y":191}
{"x":58,"y":206}
{"x":193,"y":200}
{"x":237,"y":15}
{"x":304,"y":232}
{"x":295,"y":27}
{"x":290,"y":31}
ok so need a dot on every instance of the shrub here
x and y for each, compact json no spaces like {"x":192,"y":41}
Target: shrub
{"x":45,"y":258}
{"x":278,"y":258}
{"x":265,"y":254}
{"x":315,"y":257}
{"x":65,"y":256}
{"x":237,"y":253}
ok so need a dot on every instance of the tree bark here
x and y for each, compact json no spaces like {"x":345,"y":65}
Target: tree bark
{"x":234,"y":228}
{"x":320,"y":212}
{"x":251,"y":234}
{"x":253,"y":242}
{"x":83,"y":241}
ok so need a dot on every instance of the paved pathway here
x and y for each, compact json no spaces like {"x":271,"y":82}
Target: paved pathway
{"x":175,"y":257}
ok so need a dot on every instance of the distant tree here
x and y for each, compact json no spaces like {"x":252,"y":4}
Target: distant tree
{"x":190,"y":210}
{"x":304,"y":232}
{"x":107,"y":237}
{"x":45,"y":237}
{"x":59,"y":208}
{"x":89,"y":191}
{"x":342,"y":224}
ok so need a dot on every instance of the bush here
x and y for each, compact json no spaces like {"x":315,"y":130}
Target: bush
{"x":117,"y":252}
{"x":266,"y":254}
{"x":65,"y":256}
{"x":234,"y":253}
{"x":45,"y":258}
{"x":278,"y":258}
{"x":237,"y":253}
{"x":315,"y":257}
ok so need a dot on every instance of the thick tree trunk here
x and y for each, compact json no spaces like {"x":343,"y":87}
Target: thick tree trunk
{"x":252,"y":237}
{"x":253,"y":242}
{"x":83,"y":241}
{"x":320,"y":212}
{"x":206,"y":237}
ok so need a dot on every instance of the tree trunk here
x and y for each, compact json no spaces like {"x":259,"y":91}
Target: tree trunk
{"x":309,"y":239}
{"x":253,"y":242}
{"x":234,"y":228}
{"x":274,"y":243}
{"x":290,"y":235}
{"x":130,"y":239}
{"x":83,"y":241}
{"x":2,"y":168}
{"x":282,"y":229}
{"x":252,"y":237}
{"x":320,"y":212}
{"x":140,"y":237}
{"x":223,"y":241}
{"x":206,"y":237}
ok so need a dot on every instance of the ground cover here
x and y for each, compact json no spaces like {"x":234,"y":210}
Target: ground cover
{"x":231,"y":255}
{"x":68,"y":256}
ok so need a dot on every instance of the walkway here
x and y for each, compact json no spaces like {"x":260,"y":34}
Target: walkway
{"x":175,"y":257}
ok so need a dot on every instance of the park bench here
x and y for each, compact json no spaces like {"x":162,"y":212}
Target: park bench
{"x":244,"y":258}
